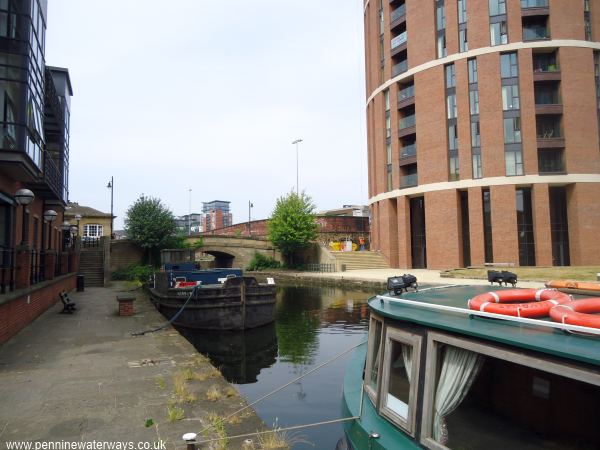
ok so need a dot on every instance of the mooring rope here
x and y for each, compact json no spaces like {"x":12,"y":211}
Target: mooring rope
{"x":339,"y":355}
{"x":172,"y":319}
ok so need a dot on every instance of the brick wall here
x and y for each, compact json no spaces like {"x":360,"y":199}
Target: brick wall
{"x":24,"y":308}
{"x":123,"y":254}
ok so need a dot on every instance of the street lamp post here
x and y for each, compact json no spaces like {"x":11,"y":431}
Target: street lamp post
{"x":24,"y":197}
{"x":250,"y":205}
{"x":111,"y":186}
{"x":49,"y":217}
{"x":190,"y":213}
{"x":297,"y":142}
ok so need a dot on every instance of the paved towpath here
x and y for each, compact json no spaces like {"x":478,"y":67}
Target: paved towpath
{"x":84,"y":378}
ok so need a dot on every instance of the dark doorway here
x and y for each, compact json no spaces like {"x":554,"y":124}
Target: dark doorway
{"x":464,"y":224}
{"x":559,"y":226}
{"x":418,"y":244}
{"x":222,"y":260}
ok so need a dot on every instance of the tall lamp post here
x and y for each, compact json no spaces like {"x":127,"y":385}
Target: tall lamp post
{"x":297,"y":142}
{"x":24,"y":197}
{"x":111,"y":186}
{"x":250,"y":205}
{"x":190,"y":213}
{"x":50,"y":216}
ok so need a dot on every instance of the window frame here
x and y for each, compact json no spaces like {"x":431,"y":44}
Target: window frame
{"x":404,"y":337}
{"x":373,"y":394}
{"x":435,"y":339}
{"x":98,"y":227}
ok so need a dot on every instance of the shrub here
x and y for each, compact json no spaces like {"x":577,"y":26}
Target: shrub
{"x":262,"y":262}
{"x":134,"y":272}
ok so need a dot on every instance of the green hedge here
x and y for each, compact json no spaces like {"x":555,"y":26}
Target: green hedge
{"x":134,"y":272}
{"x":262,"y":262}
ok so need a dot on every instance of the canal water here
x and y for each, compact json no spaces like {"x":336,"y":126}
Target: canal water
{"x":313,"y":324}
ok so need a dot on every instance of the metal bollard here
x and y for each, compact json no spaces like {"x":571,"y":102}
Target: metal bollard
{"x":190,"y":439}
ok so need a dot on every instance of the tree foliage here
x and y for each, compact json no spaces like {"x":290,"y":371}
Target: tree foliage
{"x":150,"y":224}
{"x":292,"y":225}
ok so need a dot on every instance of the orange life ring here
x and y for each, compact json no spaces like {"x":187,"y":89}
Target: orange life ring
{"x":532,"y":302}
{"x":578,"y":312}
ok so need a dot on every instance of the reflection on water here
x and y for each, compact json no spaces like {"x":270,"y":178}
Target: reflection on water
{"x":313,"y":324}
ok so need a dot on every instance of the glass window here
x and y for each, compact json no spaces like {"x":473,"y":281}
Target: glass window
{"x":477,"y":171}
{"x":525,"y":233}
{"x":386,"y":97}
{"x":512,"y":130}
{"x":400,"y":375}
{"x":497,"y":7}
{"x":551,"y":161}
{"x":510,"y":97}
{"x":451,"y":106}
{"x":514,"y":162}
{"x":462,"y":11}
{"x":474,"y":101}
{"x":92,"y":230}
{"x":450,"y":76}
{"x":453,"y":168}
{"x":475,"y":136}
{"x":472,"y":70}
{"x":373,"y":358}
{"x":441,"y":46}
{"x":498,"y":33}
{"x":453,"y":137}
{"x":509,"y":66}
{"x":440,"y":14}
{"x":463,"y":45}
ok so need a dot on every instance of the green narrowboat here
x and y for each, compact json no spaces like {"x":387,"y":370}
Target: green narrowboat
{"x":435,"y":374}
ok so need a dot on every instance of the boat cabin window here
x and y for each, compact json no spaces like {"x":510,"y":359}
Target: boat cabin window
{"x":481,"y":396}
{"x":373,"y":359}
{"x":400,"y":378}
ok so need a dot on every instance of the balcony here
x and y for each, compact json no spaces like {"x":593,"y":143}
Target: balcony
{"x":534,"y":8}
{"x":407,"y":126}
{"x":50,"y":183}
{"x":409,"y":180}
{"x":535,"y":28}
{"x":406,"y":96}
{"x":398,"y":44}
{"x":549,"y":132}
{"x":551,"y":162}
{"x":399,"y":68}
{"x":408,"y":154}
{"x":398,"y":16}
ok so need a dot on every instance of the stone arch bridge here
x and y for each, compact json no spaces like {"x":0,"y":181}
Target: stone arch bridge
{"x":234,"y":251}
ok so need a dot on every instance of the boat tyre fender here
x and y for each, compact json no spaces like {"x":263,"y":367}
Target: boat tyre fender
{"x":528,"y":303}
{"x":578,"y":312}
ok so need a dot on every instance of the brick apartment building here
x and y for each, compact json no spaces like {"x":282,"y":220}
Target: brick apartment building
{"x":216,"y":215}
{"x":37,"y":254}
{"x":483,"y":131}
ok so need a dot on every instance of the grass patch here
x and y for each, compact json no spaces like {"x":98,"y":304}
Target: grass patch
{"x":213,"y":394}
{"x":160,"y":382}
{"x":175,"y":413}
{"x":541,"y":274}
{"x":218,"y":424}
{"x":235,"y":420}
{"x":231,"y":392}
{"x":187,"y":374}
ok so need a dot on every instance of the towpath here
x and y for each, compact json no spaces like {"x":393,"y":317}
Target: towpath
{"x":84,"y":378}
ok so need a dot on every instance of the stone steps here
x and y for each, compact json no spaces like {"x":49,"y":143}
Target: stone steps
{"x":91,"y":266}
{"x":360,"y":260}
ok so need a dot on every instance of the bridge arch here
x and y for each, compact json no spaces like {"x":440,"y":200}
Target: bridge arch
{"x":233,"y":251}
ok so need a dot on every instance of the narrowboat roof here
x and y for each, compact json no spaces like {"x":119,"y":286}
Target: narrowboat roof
{"x":524,"y":335}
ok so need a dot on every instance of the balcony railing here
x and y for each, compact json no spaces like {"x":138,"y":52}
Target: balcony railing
{"x":7,"y":269}
{"x":533,"y":33}
{"x":399,"y":68}
{"x":406,"y":93}
{"x":399,"y":40}
{"x":407,"y":122}
{"x":408,"y":151}
{"x":409,"y":180}
{"x":398,"y":12}
{"x":534,"y":3}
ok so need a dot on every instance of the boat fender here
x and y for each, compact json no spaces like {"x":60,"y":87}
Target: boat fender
{"x":519,"y":302}
{"x":578,"y":312}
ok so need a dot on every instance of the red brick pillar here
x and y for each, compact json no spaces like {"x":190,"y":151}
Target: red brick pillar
{"x":74,"y":262}
{"x":49,"y":265}
{"x":23,"y":264}
{"x":64,"y":261}
{"x":125,"y":305}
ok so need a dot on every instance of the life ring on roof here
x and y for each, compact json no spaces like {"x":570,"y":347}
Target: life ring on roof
{"x":578,"y":312}
{"x":519,"y":302}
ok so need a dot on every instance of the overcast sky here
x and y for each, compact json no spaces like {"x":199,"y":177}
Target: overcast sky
{"x":208,"y":96}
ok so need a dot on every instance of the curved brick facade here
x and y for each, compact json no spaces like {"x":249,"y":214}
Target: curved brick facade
{"x":483,"y":136}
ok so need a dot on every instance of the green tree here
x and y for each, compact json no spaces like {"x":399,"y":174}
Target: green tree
{"x":292,"y":225}
{"x":150,"y":224}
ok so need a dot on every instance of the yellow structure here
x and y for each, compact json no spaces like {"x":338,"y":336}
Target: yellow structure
{"x":91,"y":222}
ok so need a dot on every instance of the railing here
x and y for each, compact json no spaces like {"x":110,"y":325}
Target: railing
{"x":535,"y":32}
{"x":408,"y":151}
{"x":89,"y":242}
{"x":409,"y":180}
{"x":549,"y":132}
{"x":320,"y":267}
{"x":399,"y":40}
{"x":406,"y":93}
{"x":398,"y":12}
{"x":534,"y":3}
{"x":399,"y":68}
{"x":7,"y":269}
{"x":52,"y":176}
{"x":34,"y":273}
{"x":407,"y":122}
{"x":58,"y":265}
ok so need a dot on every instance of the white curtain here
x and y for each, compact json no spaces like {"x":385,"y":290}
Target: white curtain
{"x":407,"y":352}
{"x":459,"y":369}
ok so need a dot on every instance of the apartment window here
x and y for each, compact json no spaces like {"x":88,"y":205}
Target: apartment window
{"x":548,"y":127}
{"x":525,"y":234}
{"x":509,"y":66}
{"x":512,"y":130}
{"x":510,"y":97}
{"x":475,"y":136}
{"x":472,"y":63}
{"x":514,"y":162}
{"x":559,"y":226}
{"x":92,"y":230}
{"x":535,"y":28}
{"x":463,"y":45}
{"x":450,"y":76}
{"x":389,"y":177}
{"x":453,"y":167}
{"x":498,"y":33}
{"x":441,"y":46}
{"x":474,"y":102}
{"x":451,"y":106}
{"x":453,"y":137}
{"x":487,"y":226}
{"x":497,"y":7}
{"x":551,"y":161}
{"x":409,"y":176}
{"x":388,"y":118}
{"x":587,"y":20}
{"x":440,"y":19}
{"x":462,"y":11}
{"x":477,"y":170}
{"x":545,"y":62}
{"x":547,"y":93}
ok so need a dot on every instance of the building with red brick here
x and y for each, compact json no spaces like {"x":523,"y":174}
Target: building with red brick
{"x":483,"y":131}
{"x":37,"y":252}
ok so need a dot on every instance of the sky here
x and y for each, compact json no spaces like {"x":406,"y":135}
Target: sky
{"x":209,"y":96}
